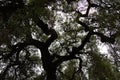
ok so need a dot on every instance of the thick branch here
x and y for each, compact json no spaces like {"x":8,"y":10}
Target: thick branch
{"x":46,"y":30}
{"x":84,"y":25}
{"x":52,"y":37}
{"x":15,"y":51}
{"x":42,"y":25}
{"x":104,"y":38}
{"x":84,"y":42}
{"x":76,"y":50}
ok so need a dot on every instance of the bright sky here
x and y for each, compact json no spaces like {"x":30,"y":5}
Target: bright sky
{"x":103,"y":48}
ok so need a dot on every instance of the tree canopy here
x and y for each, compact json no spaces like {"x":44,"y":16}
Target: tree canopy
{"x":59,"y":39}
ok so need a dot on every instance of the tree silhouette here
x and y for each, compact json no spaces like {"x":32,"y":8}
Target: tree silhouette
{"x":68,"y":44}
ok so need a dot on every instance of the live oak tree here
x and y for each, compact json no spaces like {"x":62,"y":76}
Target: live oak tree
{"x":58,"y":39}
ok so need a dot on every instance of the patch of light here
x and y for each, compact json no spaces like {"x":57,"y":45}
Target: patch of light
{"x":103,"y":48}
{"x":82,"y":6}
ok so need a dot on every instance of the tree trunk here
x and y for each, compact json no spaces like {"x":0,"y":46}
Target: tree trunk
{"x":51,"y":75}
{"x":48,"y":65}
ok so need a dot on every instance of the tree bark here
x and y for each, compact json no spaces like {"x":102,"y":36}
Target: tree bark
{"x":51,"y":75}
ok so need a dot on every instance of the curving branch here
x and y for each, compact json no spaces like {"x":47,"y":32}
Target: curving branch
{"x":52,"y":37}
{"x":41,"y":25}
{"x":84,"y":25}
{"x":20,"y":46}
{"x":15,"y":50}
{"x":84,"y":42}
{"x":46,"y":30}
{"x":104,"y":38}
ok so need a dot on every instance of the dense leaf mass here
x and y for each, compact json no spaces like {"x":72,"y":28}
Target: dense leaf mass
{"x":59,"y":39}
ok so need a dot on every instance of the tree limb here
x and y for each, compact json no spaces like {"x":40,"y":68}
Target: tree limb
{"x":104,"y":38}
{"x":46,"y":30}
